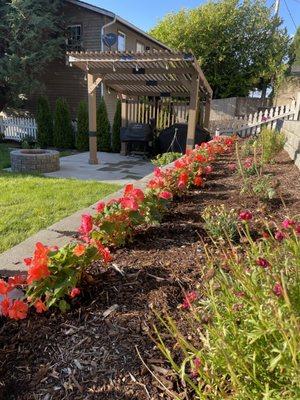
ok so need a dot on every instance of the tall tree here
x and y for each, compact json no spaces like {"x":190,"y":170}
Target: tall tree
{"x":240,"y":45}
{"x":31,"y":35}
{"x":103,"y":127}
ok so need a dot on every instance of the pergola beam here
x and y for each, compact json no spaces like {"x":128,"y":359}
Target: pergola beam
{"x":94,"y":85}
{"x":148,"y":71}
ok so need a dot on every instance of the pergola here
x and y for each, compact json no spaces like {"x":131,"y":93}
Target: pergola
{"x":151,"y":73}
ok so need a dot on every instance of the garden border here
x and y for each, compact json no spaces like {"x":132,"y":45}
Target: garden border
{"x":59,"y":234}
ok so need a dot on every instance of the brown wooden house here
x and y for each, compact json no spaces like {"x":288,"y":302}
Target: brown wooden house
{"x":87,"y":25}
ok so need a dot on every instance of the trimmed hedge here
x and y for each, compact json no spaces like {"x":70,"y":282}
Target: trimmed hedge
{"x":44,"y":119}
{"x":103,"y":128}
{"x":63,"y":136}
{"x":82,"y":137}
{"x":116,"y":141}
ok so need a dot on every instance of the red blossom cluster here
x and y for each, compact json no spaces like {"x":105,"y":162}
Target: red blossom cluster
{"x":53,"y":273}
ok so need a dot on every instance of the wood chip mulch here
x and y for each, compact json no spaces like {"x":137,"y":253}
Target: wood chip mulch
{"x":95,"y":350}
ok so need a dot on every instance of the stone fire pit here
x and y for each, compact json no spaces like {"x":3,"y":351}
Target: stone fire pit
{"x":34,"y":160}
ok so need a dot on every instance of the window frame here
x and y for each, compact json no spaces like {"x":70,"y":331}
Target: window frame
{"x":68,"y":39}
{"x":122,"y":34}
{"x":141,"y":44}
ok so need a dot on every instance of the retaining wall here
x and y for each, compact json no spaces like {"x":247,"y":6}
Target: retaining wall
{"x":292,"y":146}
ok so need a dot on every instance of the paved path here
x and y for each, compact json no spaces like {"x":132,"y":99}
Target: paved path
{"x":112,"y":168}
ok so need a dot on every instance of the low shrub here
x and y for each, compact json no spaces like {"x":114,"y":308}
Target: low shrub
{"x":44,"y":120}
{"x":220,"y":223}
{"x":63,"y":136}
{"x":166,"y":158}
{"x":271,"y":143}
{"x":243,"y":340}
{"x":82,"y":135}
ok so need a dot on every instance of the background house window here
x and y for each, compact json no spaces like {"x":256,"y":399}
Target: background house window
{"x":121,"y":41}
{"x":74,"y":38}
{"x":140,"y":47}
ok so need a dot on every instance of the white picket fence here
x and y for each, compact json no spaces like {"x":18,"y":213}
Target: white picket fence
{"x":16,"y":128}
{"x":252,"y":124}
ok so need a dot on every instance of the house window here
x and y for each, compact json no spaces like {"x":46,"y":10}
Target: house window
{"x":121,"y":41}
{"x":74,"y":38}
{"x":140,"y":47}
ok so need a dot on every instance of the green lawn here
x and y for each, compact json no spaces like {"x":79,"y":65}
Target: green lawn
{"x":29,"y":203}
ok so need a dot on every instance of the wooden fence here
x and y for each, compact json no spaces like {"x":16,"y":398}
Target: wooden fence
{"x":165,"y":113}
{"x":16,"y":128}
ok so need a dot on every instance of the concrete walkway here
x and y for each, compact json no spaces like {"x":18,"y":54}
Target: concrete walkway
{"x":112,"y":168}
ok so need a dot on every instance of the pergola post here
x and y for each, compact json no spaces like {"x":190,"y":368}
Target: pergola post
{"x":194,"y":95}
{"x":207,"y":111}
{"x":92,"y":103}
{"x":123,"y":121}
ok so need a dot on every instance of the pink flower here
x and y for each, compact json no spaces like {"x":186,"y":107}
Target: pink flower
{"x":248,"y":163}
{"x":86,"y":224}
{"x":239,"y":293}
{"x":262,"y":262}
{"x":100,"y":207}
{"x":208,"y":169}
{"x":190,"y":297}
{"x":165,"y":195}
{"x":277,"y":289}
{"x":288,"y":223}
{"x":197,"y":364}
{"x":279,"y":235}
{"x":74,"y":292}
{"x":231,"y":167}
{"x":245,"y":215}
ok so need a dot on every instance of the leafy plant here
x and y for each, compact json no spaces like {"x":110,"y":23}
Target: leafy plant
{"x":166,"y":158}
{"x":220,"y":223}
{"x":262,"y":187}
{"x":243,"y":340}
{"x":63,"y":136}
{"x":103,"y":128}
{"x":44,"y":121}
{"x":116,"y":141}
{"x":82,"y":135}
{"x":271,"y":143}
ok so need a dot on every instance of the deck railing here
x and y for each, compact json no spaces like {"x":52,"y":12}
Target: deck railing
{"x":16,"y":128}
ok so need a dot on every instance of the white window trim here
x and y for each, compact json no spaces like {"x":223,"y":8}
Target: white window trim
{"x":125,"y":39}
{"x":141,"y":44}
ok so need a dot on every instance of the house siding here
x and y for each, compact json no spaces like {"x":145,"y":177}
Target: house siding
{"x":62,"y":80}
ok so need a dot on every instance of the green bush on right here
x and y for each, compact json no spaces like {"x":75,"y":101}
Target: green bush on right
{"x":271,"y":143}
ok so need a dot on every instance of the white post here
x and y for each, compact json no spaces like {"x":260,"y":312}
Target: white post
{"x":297,"y":107}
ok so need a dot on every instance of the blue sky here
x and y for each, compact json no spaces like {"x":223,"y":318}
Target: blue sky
{"x":145,"y":13}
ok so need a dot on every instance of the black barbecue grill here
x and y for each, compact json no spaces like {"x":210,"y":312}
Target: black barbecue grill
{"x":137,"y":136}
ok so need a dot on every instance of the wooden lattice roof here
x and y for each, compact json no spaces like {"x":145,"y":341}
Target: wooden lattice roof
{"x":151,"y":73}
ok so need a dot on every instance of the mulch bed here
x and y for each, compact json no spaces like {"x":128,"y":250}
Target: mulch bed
{"x":91,"y":352}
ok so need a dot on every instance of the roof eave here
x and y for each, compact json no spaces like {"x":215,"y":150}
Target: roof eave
{"x":119,"y":19}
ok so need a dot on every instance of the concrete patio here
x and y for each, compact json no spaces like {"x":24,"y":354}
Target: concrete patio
{"x":112,"y":168}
